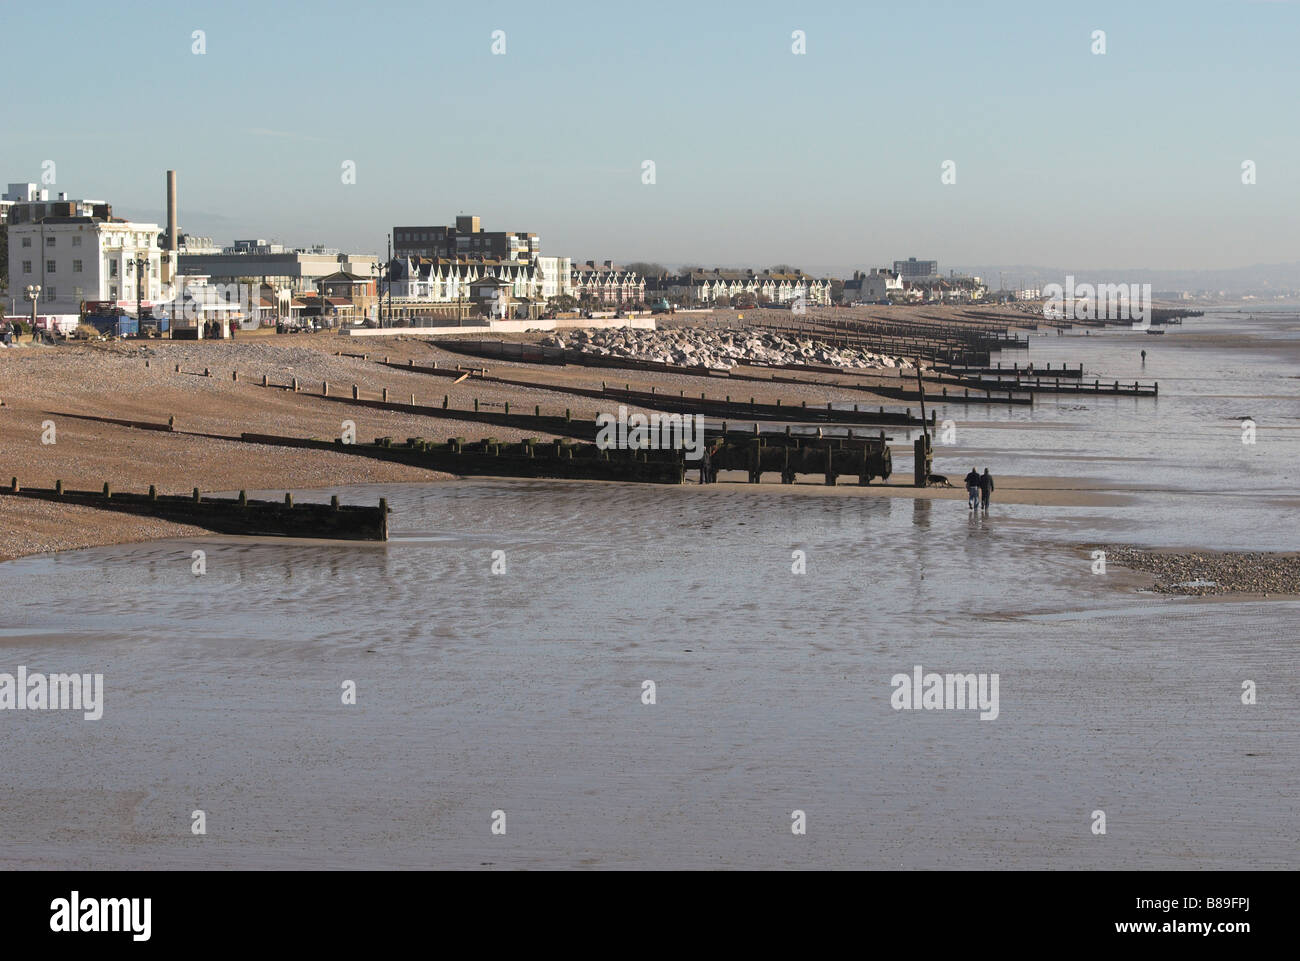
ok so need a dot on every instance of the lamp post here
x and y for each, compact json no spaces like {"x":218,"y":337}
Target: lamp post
{"x":33,"y":293}
{"x":140,"y":266}
{"x":389,"y":267}
{"x":379,"y":296}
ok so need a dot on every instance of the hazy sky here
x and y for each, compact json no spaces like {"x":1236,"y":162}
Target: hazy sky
{"x":830,"y":158}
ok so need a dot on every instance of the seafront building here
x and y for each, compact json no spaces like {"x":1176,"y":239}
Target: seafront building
{"x":953,"y":289}
{"x":874,"y":287}
{"x":296,"y":270}
{"x":702,"y":287}
{"x":913,"y":269}
{"x":80,"y":254}
{"x":457,"y":287}
{"x":466,"y":238}
{"x":607,"y":285}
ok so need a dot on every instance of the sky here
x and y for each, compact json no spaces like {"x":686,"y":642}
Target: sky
{"x":831,"y":158}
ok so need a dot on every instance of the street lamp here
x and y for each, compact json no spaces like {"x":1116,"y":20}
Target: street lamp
{"x":141,"y":264}
{"x":33,"y":293}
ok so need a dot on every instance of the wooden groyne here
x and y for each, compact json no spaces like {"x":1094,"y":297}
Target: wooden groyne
{"x":228,"y":515}
{"x":1013,"y":370}
{"x":678,"y":403}
{"x":864,"y":458}
{"x":980,"y":395}
{"x":1045,"y":385}
{"x":560,"y":459}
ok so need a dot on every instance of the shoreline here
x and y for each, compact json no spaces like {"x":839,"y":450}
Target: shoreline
{"x":95,"y":528}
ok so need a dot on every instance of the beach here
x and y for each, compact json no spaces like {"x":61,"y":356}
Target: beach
{"x":499,"y":642}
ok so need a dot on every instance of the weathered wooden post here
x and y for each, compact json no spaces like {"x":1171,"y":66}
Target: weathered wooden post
{"x":196,"y":495}
{"x":153,"y":492}
{"x":243,"y":498}
{"x":384,"y":395}
{"x":334,"y":501}
{"x":294,"y":385}
{"x":355,"y":393}
{"x":13,"y":485}
{"x":58,"y":488}
{"x":108,"y":490}
{"x":234,"y":376}
{"x":264,"y":381}
{"x":288,"y":499}
{"x":920,"y":461}
{"x":325,"y":388}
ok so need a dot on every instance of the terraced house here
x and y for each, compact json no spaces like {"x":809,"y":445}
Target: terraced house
{"x":607,"y":284}
{"x":431,"y":287}
{"x":717,"y":285}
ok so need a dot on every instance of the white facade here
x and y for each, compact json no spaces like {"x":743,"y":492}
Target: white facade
{"x":554,"y":277}
{"x":76,"y":259}
{"x":438,"y":281}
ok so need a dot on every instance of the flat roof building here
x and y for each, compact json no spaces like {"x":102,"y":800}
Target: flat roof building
{"x":913,"y":269}
{"x":295,"y":270}
{"x":466,"y":239}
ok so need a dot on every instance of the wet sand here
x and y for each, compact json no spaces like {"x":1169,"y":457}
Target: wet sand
{"x":138,"y":381}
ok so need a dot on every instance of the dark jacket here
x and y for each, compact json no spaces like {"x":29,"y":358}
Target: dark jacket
{"x":986,"y":483}
{"x":972,"y":479}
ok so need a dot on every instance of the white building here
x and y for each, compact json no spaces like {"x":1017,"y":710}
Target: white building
{"x":448,"y":281}
{"x":554,"y":277}
{"x":872,"y":288}
{"x":81,"y":259}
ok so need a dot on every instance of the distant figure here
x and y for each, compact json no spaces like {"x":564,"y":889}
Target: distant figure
{"x":706,"y":465}
{"x":972,"y":489}
{"x":1144,"y":358}
{"x":986,"y":489}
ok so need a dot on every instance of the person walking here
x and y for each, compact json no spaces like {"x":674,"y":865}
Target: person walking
{"x":972,"y":489}
{"x":706,"y":466}
{"x":986,"y":489}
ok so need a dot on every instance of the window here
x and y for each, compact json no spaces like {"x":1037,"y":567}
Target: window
{"x":76,"y":241}
{"x":112,"y":269}
{"x":51,"y":293}
{"x":112,"y":292}
{"x":27,"y":241}
{"x":76,"y":266}
{"x":50,"y":267}
{"x":27,"y":266}
{"x":49,"y":241}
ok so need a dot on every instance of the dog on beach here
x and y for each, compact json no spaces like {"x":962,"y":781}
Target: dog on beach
{"x":937,"y":480}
